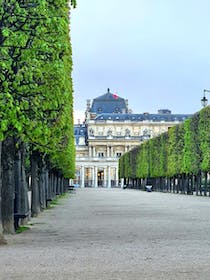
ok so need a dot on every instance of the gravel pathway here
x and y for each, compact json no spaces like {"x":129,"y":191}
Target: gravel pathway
{"x":102,"y":234}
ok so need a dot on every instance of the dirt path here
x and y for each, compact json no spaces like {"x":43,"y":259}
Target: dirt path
{"x":113,"y":235}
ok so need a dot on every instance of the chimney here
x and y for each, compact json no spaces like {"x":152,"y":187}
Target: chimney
{"x":126,"y":104}
{"x":88,"y":105}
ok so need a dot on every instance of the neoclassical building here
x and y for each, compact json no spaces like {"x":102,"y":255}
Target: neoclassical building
{"x":111,"y":129}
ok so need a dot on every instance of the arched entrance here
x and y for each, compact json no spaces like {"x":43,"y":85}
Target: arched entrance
{"x":100,"y":178}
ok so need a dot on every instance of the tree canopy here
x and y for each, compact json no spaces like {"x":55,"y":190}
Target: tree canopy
{"x":184,"y":149}
{"x":36,"y":101}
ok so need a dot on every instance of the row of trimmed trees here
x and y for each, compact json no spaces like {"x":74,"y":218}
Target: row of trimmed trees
{"x":176,"y":161}
{"x":36,"y":105}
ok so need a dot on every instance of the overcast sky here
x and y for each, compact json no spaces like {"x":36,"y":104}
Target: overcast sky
{"x":155,"y":53}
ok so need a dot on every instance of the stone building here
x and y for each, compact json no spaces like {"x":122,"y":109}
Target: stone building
{"x":111,"y":129}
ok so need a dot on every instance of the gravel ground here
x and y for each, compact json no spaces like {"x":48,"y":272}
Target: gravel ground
{"x":113,"y":235}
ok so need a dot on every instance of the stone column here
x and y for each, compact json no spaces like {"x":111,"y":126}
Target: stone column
{"x":109,"y":177}
{"x":93,"y":177}
{"x":116,"y":176}
{"x":105,"y":177}
{"x":90,"y":151}
{"x":94,"y":151}
{"x":82,"y":174}
{"x":107,"y":151}
{"x":112,"y":151}
{"x":96,"y":177}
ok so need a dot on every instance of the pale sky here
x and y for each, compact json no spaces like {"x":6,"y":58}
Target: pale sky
{"x":155,"y":53}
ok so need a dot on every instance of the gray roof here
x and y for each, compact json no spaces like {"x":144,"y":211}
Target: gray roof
{"x":109,"y":103}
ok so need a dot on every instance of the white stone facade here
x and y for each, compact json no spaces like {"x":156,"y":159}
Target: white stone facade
{"x":103,"y":138}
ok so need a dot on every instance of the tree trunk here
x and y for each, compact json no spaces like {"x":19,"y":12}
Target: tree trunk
{"x":54,"y":184}
{"x":2,"y":240}
{"x":58,"y":192}
{"x":8,"y":189}
{"x":196,"y":184}
{"x":17,"y":178}
{"x":24,"y":183}
{"x":21,"y":203}
{"x":47,"y":185}
{"x":62,"y":185}
{"x":168,"y":184}
{"x":183,"y":183}
{"x":200,"y":183}
{"x":205,"y":183}
{"x":42,"y":188}
{"x":35,"y":206}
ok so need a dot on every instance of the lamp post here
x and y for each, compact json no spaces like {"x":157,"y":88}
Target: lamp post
{"x":204,"y":100}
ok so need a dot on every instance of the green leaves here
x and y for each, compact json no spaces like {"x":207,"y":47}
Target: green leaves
{"x":74,"y":3}
{"x":185,"y":149}
{"x":6,"y":32}
{"x":35,"y":85}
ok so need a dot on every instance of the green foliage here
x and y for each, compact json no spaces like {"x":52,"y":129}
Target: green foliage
{"x":175,"y":150}
{"x":22,"y":229}
{"x":204,"y":138}
{"x":191,"y":159}
{"x":36,"y":101}
{"x":184,"y":149}
{"x":143,"y":161}
{"x":163,"y":156}
{"x":74,"y":3}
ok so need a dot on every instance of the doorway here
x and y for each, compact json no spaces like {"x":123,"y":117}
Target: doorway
{"x":100,"y":178}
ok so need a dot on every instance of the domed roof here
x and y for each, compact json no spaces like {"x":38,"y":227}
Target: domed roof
{"x":109,"y":103}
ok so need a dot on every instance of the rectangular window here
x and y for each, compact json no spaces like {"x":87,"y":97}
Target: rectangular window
{"x":118,"y":154}
{"x":100,"y":155}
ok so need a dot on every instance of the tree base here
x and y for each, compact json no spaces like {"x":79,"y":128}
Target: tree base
{"x":2,"y":240}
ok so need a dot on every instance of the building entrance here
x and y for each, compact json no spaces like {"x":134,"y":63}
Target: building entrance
{"x":100,"y":178}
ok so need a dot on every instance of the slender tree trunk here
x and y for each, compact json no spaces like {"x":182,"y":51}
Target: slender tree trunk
{"x":168,"y":184}
{"x":35,"y":207}
{"x":2,"y":240}
{"x":186,"y":183}
{"x":189,"y":186}
{"x":54,"y":184}
{"x":21,"y":203}
{"x":47,"y":185}
{"x":24,"y":183}
{"x":17,"y":178}
{"x":174,"y":184}
{"x":124,"y":181}
{"x":58,"y":191}
{"x":144,"y":184}
{"x":193,"y":184}
{"x":62,"y":185}
{"x":183,"y":182}
{"x":200,"y":183}
{"x":8,"y":189}
{"x":42,"y":188}
{"x":196,"y":184}
{"x":205,"y":183}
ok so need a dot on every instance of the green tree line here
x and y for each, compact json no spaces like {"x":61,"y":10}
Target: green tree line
{"x":36,"y":105}
{"x":177,"y":161}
